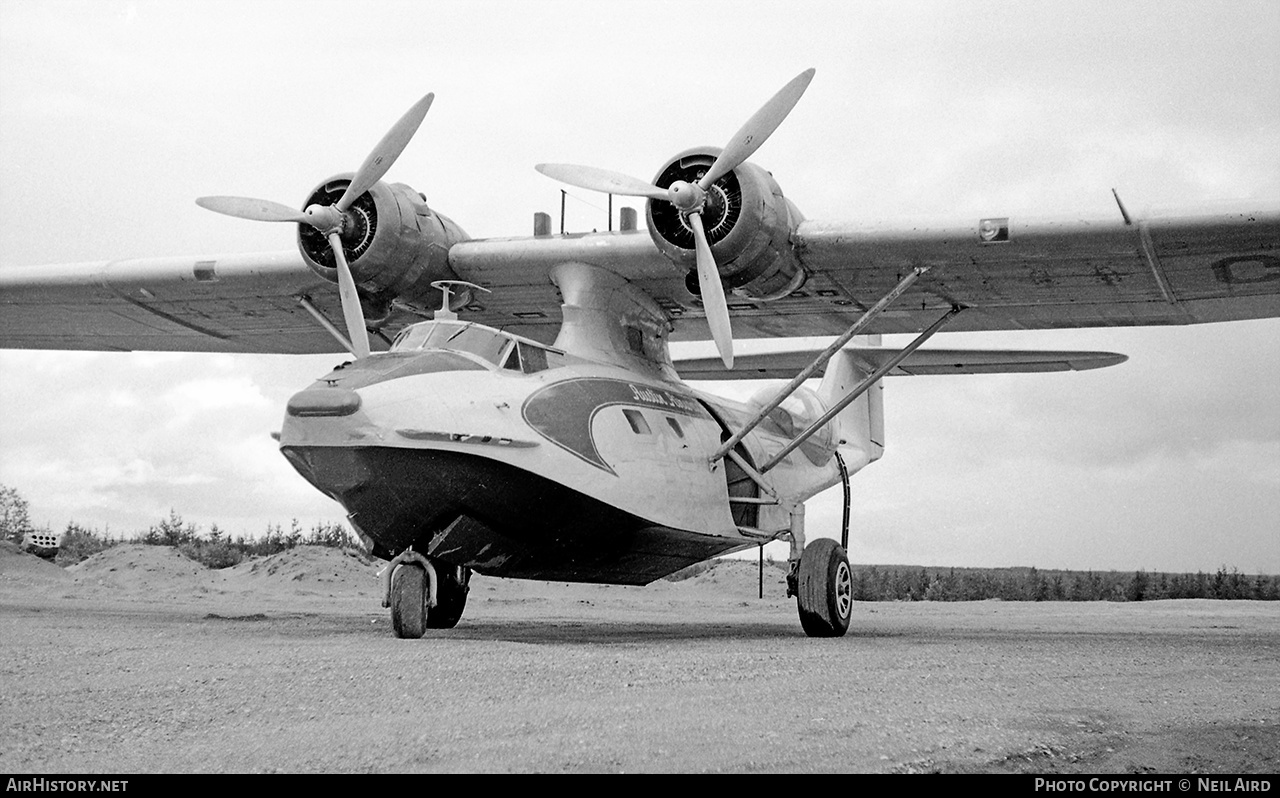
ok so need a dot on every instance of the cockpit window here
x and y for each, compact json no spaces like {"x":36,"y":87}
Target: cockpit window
{"x":532,"y":358}
{"x":529,"y":359}
{"x":456,"y":336}
{"x":512,"y":363}
{"x":498,"y":348}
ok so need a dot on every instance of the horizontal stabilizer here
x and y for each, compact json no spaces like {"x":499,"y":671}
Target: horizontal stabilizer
{"x":922,"y":362}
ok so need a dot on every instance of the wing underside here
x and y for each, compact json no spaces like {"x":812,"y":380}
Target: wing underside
{"x":1034,"y":275}
{"x":1054,"y":275}
{"x":922,"y":362}
{"x":1050,"y":275}
{"x":227,"y":303}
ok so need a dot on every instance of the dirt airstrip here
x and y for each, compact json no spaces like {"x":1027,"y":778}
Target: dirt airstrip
{"x":140,"y":660}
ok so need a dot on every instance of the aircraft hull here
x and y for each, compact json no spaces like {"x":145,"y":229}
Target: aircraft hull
{"x":499,"y":519}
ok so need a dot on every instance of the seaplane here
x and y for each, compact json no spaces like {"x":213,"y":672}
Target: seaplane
{"x":511,"y":406}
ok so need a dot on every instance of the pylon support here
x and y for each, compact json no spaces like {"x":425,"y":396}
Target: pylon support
{"x":819,"y":362}
{"x":862,"y":388}
{"x":305,"y":302}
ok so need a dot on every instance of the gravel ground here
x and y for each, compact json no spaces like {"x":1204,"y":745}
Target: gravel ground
{"x":136,"y":662}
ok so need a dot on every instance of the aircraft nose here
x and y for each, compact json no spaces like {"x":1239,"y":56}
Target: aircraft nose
{"x":323,"y":401}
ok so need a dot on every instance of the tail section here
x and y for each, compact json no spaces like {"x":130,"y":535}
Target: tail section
{"x":857,"y":431}
{"x":859,"y":428}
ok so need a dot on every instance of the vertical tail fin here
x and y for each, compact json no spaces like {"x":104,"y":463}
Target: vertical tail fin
{"x":859,"y":428}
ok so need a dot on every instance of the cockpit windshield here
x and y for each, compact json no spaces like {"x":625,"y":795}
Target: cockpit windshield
{"x":505,"y":351}
{"x":456,"y":336}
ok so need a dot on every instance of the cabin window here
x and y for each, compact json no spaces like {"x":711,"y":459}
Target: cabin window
{"x":675,"y":426}
{"x":638,"y":425}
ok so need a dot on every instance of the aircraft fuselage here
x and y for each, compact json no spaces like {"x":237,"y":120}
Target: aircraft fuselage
{"x":490,"y":451}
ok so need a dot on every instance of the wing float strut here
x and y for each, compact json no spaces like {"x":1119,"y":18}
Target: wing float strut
{"x":821,"y":361}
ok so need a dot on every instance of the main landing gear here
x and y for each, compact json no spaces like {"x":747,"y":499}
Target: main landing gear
{"x":823,"y":587}
{"x":423,"y":594}
{"x":820,"y":578}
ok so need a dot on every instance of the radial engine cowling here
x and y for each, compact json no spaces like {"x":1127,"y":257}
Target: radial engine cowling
{"x":748,"y":223}
{"x":395,"y":244}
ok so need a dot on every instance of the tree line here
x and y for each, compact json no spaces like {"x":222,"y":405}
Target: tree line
{"x":216,"y":549}
{"x":213,"y":549}
{"x":913,"y":583}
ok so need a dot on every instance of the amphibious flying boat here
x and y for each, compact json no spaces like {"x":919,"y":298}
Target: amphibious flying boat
{"x":512,"y":407}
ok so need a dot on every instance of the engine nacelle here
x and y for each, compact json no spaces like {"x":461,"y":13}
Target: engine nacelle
{"x":394,"y":243}
{"x":748,"y":223}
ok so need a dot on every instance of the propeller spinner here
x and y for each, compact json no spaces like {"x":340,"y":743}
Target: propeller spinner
{"x":332,"y":220}
{"x":691,"y":198}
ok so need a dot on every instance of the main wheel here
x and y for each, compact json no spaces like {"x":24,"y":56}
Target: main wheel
{"x":451,"y":596}
{"x":409,"y":601}
{"x":824,"y":592}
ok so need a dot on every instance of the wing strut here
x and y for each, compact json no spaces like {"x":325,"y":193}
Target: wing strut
{"x":305,"y":302}
{"x":819,"y":362}
{"x":862,"y":388}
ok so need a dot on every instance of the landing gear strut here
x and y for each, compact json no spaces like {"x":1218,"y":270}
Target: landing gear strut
{"x":451,"y":598}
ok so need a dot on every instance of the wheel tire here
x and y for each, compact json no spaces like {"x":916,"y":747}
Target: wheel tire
{"x":408,"y":601}
{"x":824,"y":593}
{"x":451,"y":596}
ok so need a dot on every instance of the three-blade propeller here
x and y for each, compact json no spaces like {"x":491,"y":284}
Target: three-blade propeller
{"x":691,"y":198}
{"x":331,"y":220}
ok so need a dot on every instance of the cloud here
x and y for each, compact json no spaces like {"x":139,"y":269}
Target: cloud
{"x":174,"y":431}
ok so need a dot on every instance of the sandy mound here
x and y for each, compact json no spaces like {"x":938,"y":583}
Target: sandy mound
{"x":17,"y":568}
{"x":136,"y":566}
{"x":133,"y":570}
{"x":315,"y":566}
{"x":733,"y":577}
{"x":162,"y":571}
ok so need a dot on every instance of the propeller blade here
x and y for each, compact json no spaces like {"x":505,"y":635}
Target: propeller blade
{"x":258,"y":210}
{"x":386,"y":153}
{"x":351,"y":311}
{"x":757,"y":129}
{"x":712,"y":291}
{"x":603,"y":180}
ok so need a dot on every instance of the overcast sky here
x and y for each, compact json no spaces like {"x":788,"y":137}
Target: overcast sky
{"x":114,"y":116}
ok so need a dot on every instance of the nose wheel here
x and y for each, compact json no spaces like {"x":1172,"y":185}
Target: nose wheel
{"x":409,"y":601}
{"x":824,"y":589}
{"x":412,"y":611}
